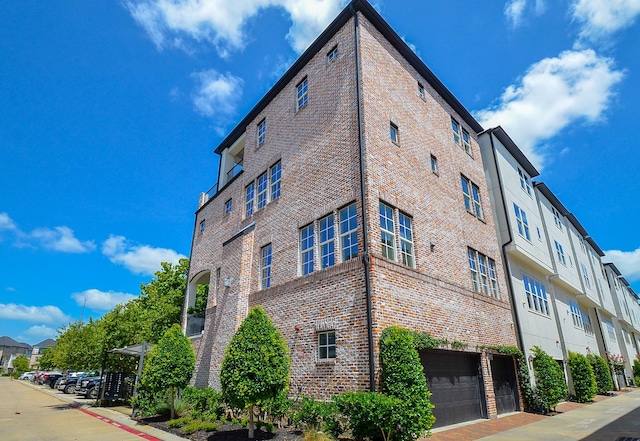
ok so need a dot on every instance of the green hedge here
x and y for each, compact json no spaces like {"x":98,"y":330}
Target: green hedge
{"x":584,"y":380}
{"x":550,"y":383}
{"x":602,"y":373}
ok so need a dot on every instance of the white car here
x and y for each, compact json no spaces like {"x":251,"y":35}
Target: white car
{"x":27,"y":376}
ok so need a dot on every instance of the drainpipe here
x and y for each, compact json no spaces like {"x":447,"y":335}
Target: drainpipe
{"x":363,"y":197}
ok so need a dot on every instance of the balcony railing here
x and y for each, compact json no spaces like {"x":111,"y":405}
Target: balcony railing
{"x":237,"y":168}
{"x":195,"y":324}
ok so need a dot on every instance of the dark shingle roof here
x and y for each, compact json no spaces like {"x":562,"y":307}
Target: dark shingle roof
{"x":8,"y":341}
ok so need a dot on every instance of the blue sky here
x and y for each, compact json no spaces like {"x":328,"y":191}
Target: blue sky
{"x":110,"y":112}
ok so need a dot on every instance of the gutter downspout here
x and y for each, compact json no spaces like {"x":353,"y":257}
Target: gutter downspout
{"x":363,"y":197}
{"x":507,"y":264}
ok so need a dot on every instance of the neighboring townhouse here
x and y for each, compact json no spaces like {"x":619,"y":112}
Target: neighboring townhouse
{"x":351,"y":198}
{"x":37,"y":349}
{"x":560,"y":288}
{"x":9,"y":350}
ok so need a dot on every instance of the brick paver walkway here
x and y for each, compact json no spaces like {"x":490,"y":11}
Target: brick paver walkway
{"x":484,"y":428}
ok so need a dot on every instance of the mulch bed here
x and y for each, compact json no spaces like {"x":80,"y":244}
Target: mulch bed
{"x":226,"y":432}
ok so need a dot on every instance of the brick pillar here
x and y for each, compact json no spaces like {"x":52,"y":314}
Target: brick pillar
{"x":489,"y":392}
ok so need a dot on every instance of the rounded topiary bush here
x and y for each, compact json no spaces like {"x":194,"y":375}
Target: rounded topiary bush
{"x":550,"y":383}
{"x":602,"y":373}
{"x":584,"y":380}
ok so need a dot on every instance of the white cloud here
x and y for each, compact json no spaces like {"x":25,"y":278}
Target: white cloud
{"x":101,"y":300}
{"x":217,"y":95}
{"x":576,"y":86}
{"x":221,"y":22}
{"x":514,"y":10}
{"x":628,"y":262}
{"x":35,"y":314}
{"x":41,"y":331}
{"x":61,"y":239}
{"x":6,"y":223}
{"x":139,"y":259}
{"x":601,"y":18}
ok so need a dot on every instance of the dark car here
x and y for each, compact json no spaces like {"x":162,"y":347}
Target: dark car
{"x":67,"y":384}
{"x":51,"y":378}
{"x":89,"y":387}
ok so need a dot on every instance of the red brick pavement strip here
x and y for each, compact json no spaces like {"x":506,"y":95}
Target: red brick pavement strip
{"x":490,"y":427}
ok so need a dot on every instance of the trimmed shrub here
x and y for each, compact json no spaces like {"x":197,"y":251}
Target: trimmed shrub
{"x":403,"y":378}
{"x":308,"y":414}
{"x":550,"y":383}
{"x":371,"y":414}
{"x":602,"y":373}
{"x":584,"y":380}
{"x":636,"y":367}
{"x":205,"y":403}
{"x":179,"y":422}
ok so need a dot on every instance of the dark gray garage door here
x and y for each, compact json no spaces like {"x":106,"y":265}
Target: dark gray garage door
{"x":504,"y":384}
{"x":455,"y":384}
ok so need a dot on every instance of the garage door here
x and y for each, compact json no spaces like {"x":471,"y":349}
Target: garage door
{"x":504,"y":384}
{"x":455,"y":384}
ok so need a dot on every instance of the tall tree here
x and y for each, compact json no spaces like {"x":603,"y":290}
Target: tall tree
{"x":170,"y":364}
{"x":255,"y":368}
{"x":21,"y":364}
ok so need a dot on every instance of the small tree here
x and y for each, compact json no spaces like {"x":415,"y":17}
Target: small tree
{"x":403,"y":378}
{"x":584,"y":380}
{"x":21,"y":364}
{"x":550,"y":383}
{"x":170,"y":364}
{"x":602,"y":373}
{"x":255,"y":368}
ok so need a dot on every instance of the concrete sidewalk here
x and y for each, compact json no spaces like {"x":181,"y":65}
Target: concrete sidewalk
{"x":34,"y":413}
{"x":608,"y":419}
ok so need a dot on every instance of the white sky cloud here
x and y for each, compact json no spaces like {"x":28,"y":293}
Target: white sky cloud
{"x":221,"y":22}
{"x":628,"y":262}
{"x":601,"y":18}
{"x":49,"y":314}
{"x":41,"y":331}
{"x":61,"y":239}
{"x":6,"y":223}
{"x":217,"y":95}
{"x":139,"y":259}
{"x":514,"y":10}
{"x":101,"y":300}
{"x":576,"y":86}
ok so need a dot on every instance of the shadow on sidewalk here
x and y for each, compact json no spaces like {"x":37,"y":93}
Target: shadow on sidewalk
{"x":626,"y":427}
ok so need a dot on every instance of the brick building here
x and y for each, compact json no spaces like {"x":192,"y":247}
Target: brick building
{"x":353,"y":197}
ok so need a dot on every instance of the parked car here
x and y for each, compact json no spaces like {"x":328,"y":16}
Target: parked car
{"x":27,"y":376}
{"x":89,"y":387}
{"x":51,"y":378}
{"x":68,"y":383}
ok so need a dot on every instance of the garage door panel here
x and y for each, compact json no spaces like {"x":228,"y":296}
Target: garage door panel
{"x":505,"y":385}
{"x":455,"y":384}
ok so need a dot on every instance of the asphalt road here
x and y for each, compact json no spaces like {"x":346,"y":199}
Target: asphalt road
{"x":29,"y":414}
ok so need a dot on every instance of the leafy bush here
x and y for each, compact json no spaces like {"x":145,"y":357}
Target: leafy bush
{"x":550,"y":383}
{"x":196,"y":425}
{"x":278,"y":407}
{"x":308,"y":414}
{"x":636,"y":367}
{"x":371,"y":414}
{"x":315,"y":435}
{"x":204,"y":403}
{"x":602,"y":373}
{"x":148,"y":403}
{"x":179,"y":422}
{"x":403,"y":378}
{"x":584,"y":380}
{"x":636,"y":380}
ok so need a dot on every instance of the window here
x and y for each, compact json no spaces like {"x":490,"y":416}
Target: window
{"x":327,"y":345}
{"x":582,"y":247}
{"x":471,"y":194}
{"x":306,"y":249}
{"x":228,"y":206}
{"x":466,"y":141}
{"x":585,"y":275}
{"x":586,"y":321}
{"x":560,"y":253}
{"x":576,"y":315}
{"x":434,"y":164}
{"x":327,"y":243}
{"x":393,"y":132}
{"x":263,"y":184}
{"x":265,"y":267}
{"x":483,"y":273}
{"x":333,"y":54}
{"x":349,"y":232}
{"x":521,"y":221}
{"x":387,"y":232}
{"x":302,"y":96}
{"x":525,"y":181}
{"x":276,"y":177}
{"x":406,"y":240}
{"x":421,"y":90}
{"x":250,"y":195}
{"x":539,"y":234}
{"x":455,"y":127}
{"x":262,"y":132}
{"x":625,"y":334}
{"x":611,"y":331}
{"x":536,"y":295}
{"x":556,"y":218}
{"x":203,"y":224}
